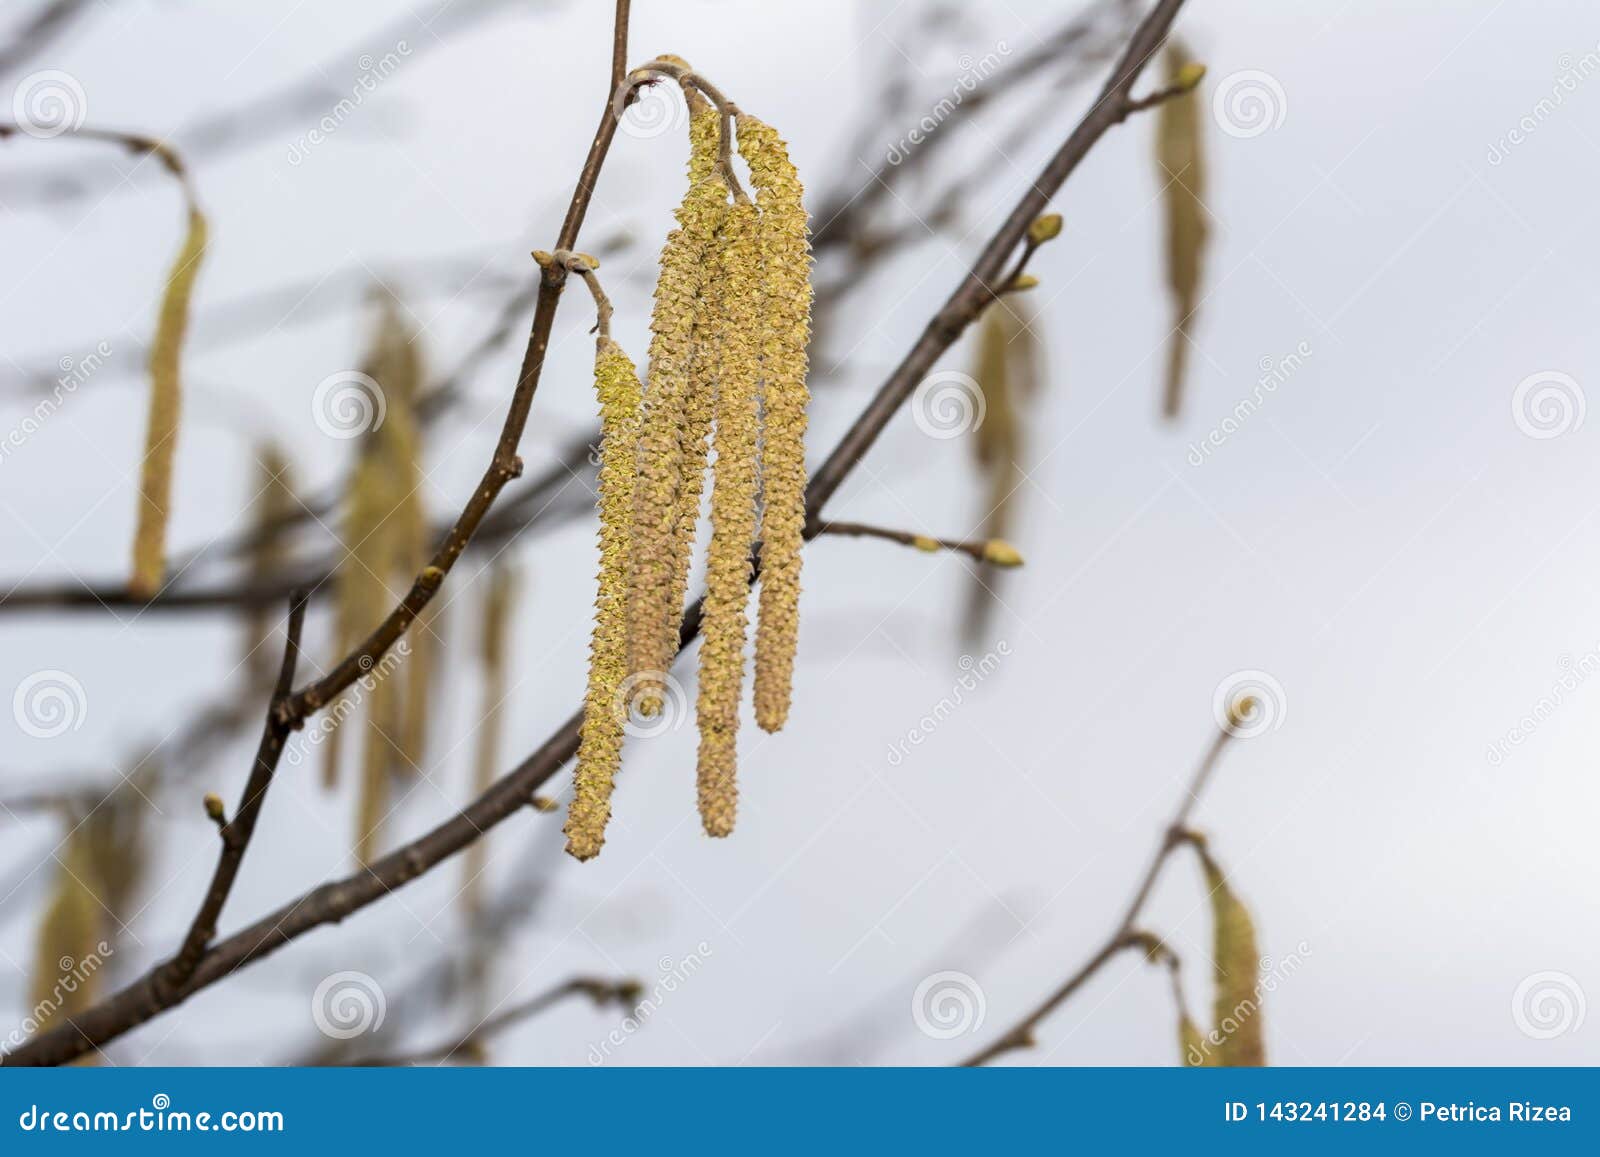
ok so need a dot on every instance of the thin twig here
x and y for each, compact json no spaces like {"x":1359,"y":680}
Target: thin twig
{"x":980,"y":549}
{"x":1124,"y":936}
{"x":602,"y":992}
{"x":236,"y":832}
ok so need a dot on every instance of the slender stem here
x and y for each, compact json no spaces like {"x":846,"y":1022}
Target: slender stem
{"x":978,"y":550}
{"x":236,"y":833}
{"x":1124,"y":936}
{"x":602,"y":992}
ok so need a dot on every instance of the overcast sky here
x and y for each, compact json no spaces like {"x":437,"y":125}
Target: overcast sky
{"x":1399,"y":536}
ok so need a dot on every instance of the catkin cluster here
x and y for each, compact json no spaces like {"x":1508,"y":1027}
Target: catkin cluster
{"x":727,"y":370}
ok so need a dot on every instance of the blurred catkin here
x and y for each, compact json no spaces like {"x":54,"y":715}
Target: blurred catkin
{"x":67,"y":947}
{"x":604,"y":712}
{"x":661,"y":542}
{"x":385,"y":535}
{"x":1180,"y":166}
{"x":270,"y":510}
{"x":738,"y":270}
{"x":785,"y":245}
{"x":1008,"y":372}
{"x":492,"y":644}
{"x":166,"y":401}
{"x":1237,"y":961}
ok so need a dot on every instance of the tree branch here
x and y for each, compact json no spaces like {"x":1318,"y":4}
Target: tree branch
{"x":1125,"y":936}
{"x":333,"y":901}
{"x":602,"y":992}
{"x":236,"y":833}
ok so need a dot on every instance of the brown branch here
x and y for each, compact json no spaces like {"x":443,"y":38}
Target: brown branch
{"x":46,"y":24}
{"x":236,"y":833}
{"x":602,"y":992}
{"x":294,"y":106}
{"x":1125,"y":936}
{"x":331,"y":902}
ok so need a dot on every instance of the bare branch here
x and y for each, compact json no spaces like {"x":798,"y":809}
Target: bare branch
{"x":1125,"y":936}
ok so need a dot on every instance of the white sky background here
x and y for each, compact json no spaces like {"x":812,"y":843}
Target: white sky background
{"x":1382,"y":537}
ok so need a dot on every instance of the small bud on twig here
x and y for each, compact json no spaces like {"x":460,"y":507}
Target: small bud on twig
{"x":1046,"y":228}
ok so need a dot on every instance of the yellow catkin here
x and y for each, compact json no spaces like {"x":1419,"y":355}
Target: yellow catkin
{"x":1237,"y":962}
{"x":386,"y":542}
{"x":1006,"y":368}
{"x":699,"y":403}
{"x":661,"y":547}
{"x":166,"y":401}
{"x":492,"y":655}
{"x":1180,"y":166}
{"x":733,"y":517}
{"x":270,"y":510}
{"x":66,"y":954}
{"x":786,"y":251}
{"x":604,"y":712}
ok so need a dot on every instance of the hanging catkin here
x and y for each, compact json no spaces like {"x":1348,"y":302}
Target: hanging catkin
{"x":604,"y":712}
{"x":1180,"y":166}
{"x":661,"y":541}
{"x":733,"y":515}
{"x":1237,"y":1011}
{"x":270,"y":510}
{"x":492,"y":654}
{"x":699,"y":403}
{"x":67,"y":953}
{"x":166,"y":400}
{"x":786,"y":251}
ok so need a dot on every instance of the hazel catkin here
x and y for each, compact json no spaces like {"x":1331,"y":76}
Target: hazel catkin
{"x":161,"y":429}
{"x":660,"y":546}
{"x":600,"y":743}
{"x":785,"y":247}
{"x":733,"y":516}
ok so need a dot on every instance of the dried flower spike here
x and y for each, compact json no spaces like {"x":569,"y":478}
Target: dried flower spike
{"x":161,"y":430}
{"x":600,"y":745}
{"x":786,"y":249}
{"x":660,"y":545}
{"x":733,"y":516}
